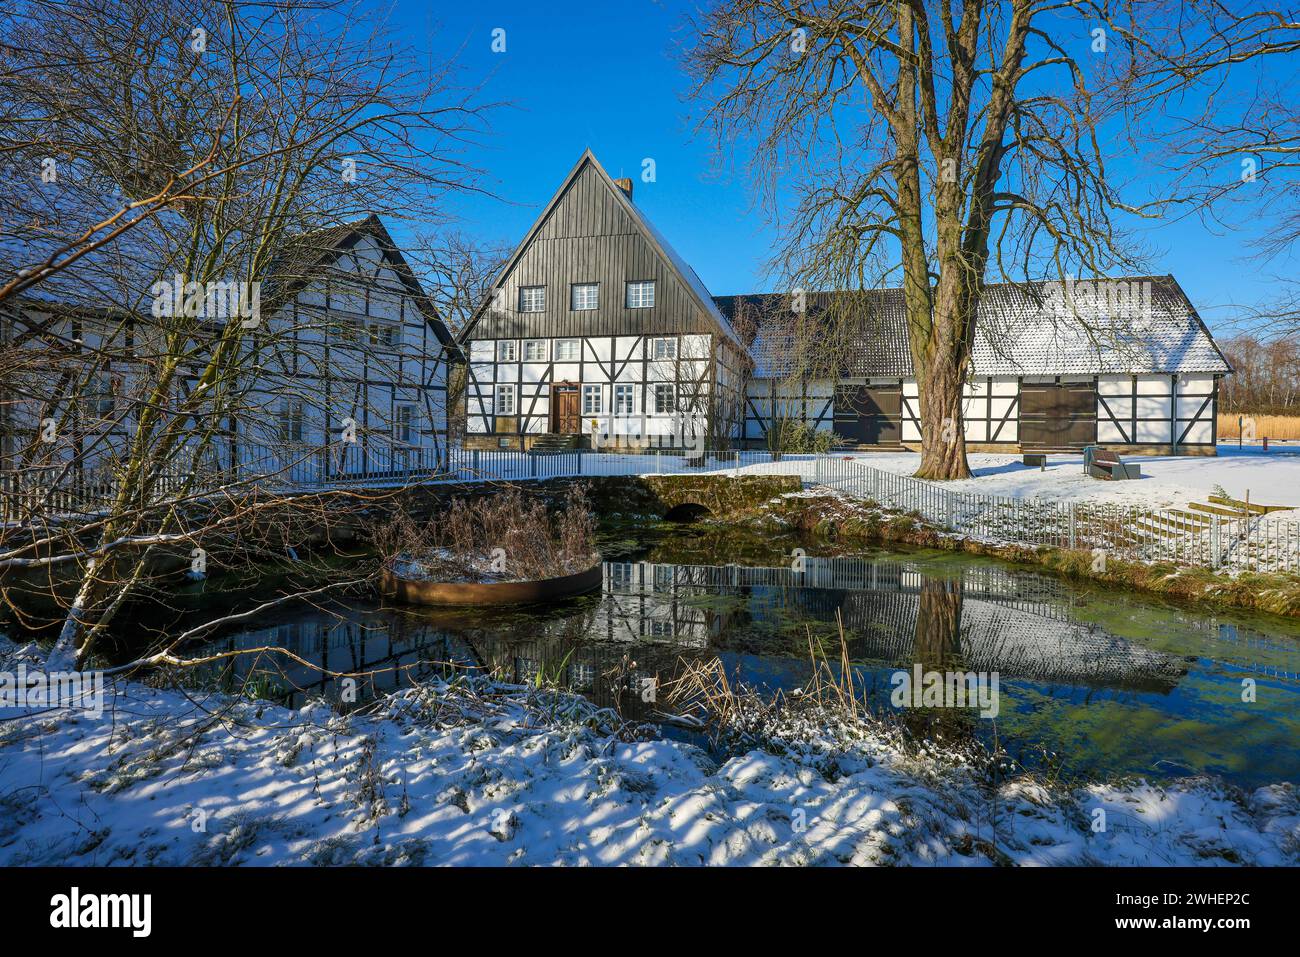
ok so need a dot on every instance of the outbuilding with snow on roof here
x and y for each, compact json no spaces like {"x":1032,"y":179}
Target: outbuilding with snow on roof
{"x":1122,"y":363}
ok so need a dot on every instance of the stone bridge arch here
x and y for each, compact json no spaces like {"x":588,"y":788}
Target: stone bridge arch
{"x":719,"y":495}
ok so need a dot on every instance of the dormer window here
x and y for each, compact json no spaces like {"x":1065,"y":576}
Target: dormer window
{"x":532,"y":299}
{"x":586,"y":296}
{"x":641,"y":294}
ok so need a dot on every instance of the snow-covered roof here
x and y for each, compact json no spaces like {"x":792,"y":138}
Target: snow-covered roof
{"x":53,"y":216}
{"x":1130,"y":325}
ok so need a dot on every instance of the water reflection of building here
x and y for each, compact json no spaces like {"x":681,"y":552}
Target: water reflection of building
{"x":982,"y":618}
{"x":650,"y":616}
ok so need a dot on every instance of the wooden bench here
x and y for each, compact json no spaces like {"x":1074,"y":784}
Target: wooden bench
{"x":1105,"y":464}
{"x":1035,"y":458}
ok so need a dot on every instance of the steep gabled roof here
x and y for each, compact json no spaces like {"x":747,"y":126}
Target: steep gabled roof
{"x":1039,"y":328}
{"x":309,"y":253}
{"x":119,"y":275}
{"x":678,"y":266}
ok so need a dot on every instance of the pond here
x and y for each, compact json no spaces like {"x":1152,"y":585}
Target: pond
{"x":1091,"y":682}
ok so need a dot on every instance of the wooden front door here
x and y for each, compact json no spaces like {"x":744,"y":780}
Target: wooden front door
{"x":565,"y":418}
{"x":870,"y":415}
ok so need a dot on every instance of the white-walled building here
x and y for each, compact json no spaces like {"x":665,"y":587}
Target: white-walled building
{"x":342,"y":370}
{"x":597,"y":331}
{"x":1127,"y":364}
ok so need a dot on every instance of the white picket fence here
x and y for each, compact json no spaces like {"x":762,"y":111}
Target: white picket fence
{"x":1108,"y":530}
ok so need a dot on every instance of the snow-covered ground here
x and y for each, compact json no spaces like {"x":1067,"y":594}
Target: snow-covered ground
{"x":439,"y":776}
{"x":1167,"y":481}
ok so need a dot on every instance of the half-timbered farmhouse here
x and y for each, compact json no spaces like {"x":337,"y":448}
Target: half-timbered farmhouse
{"x":597,"y":332}
{"x":343,"y":370}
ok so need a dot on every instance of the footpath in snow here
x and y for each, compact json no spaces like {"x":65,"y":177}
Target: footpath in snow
{"x":479,"y":774}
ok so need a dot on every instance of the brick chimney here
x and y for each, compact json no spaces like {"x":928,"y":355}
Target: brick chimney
{"x":625,"y":185}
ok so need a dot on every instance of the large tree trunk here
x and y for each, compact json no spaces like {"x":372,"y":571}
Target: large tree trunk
{"x":941,"y":375}
{"x":943,"y":434}
{"x":936,"y":340}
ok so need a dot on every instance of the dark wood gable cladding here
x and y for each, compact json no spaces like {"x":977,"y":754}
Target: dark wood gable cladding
{"x":587,"y":235}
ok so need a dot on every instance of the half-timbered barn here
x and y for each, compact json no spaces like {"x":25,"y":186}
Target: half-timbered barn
{"x":598,"y":333}
{"x":1126,"y":364}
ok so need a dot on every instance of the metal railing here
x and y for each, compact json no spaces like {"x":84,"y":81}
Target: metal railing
{"x":1176,"y":536}
{"x":57,"y":491}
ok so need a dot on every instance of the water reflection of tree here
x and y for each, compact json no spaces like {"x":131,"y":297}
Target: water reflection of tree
{"x":937,"y":647}
{"x":938,"y":622}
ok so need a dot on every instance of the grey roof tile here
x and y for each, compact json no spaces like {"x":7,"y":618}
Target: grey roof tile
{"x":1133,"y":325}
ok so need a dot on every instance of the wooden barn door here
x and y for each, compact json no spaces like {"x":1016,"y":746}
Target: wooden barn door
{"x":870,"y":415}
{"x":1058,"y":416}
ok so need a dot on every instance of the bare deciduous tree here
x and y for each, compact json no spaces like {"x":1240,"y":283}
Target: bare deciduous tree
{"x":941,"y":141}
{"x":253,"y":133}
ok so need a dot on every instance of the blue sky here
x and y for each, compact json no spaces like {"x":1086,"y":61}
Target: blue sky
{"x":604,"y":76}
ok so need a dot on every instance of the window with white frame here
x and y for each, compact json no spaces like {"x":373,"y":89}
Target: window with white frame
{"x":585,"y":296}
{"x":620,"y":576}
{"x":505,"y":400}
{"x":385,"y":334}
{"x":663,"y":348}
{"x":507,"y":350}
{"x":592,"y":400}
{"x":291,"y":420}
{"x":568,"y":350}
{"x":346,"y":329}
{"x":665,"y":398}
{"x":534,"y":350}
{"x":641,"y":294}
{"x":532,"y":298}
{"x":406,"y":424}
{"x":623,"y":400}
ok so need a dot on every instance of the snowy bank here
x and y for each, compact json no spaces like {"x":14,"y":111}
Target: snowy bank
{"x":1167,"y":481}
{"x":472,"y":773}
